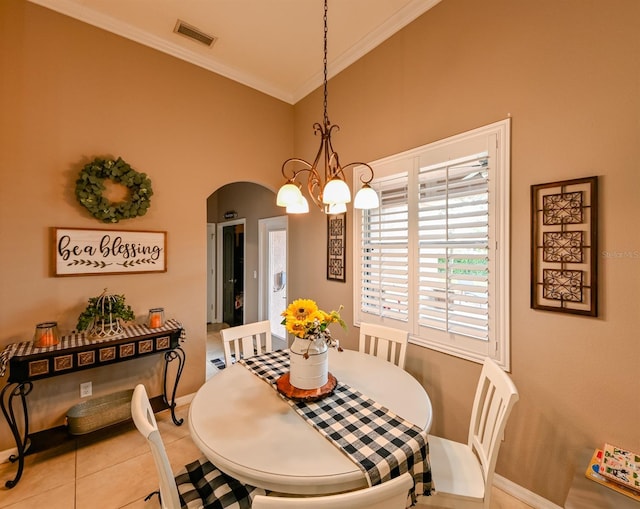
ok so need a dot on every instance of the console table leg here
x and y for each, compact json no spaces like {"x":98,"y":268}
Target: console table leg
{"x":10,"y":391}
{"x":176,"y":353}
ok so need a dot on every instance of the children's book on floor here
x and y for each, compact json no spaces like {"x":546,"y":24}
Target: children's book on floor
{"x":596,"y":469}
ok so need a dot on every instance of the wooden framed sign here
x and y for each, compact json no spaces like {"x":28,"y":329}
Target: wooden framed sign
{"x":79,"y":252}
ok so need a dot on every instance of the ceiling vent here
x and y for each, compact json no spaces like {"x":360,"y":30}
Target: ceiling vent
{"x":193,"y":33}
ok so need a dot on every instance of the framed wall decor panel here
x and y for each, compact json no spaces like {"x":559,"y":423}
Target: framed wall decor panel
{"x":336,"y":247}
{"x":79,"y":252}
{"x":564,"y":250}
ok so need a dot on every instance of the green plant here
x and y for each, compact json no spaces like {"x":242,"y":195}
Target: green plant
{"x":90,"y":186}
{"x":106,"y":308}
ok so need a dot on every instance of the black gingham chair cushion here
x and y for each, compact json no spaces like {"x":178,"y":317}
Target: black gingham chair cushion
{"x":201,"y":484}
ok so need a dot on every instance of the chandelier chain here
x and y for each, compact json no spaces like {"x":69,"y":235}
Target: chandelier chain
{"x":332,"y":193}
{"x":324,"y":62}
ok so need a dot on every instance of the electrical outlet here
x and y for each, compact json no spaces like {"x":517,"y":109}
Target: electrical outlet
{"x":85,"y":389}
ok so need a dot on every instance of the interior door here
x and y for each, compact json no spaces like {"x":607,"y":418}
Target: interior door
{"x":273,"y":263}
{"x":231,"y":249}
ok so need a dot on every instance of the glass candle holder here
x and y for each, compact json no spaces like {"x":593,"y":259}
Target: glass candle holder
{"x":156,"y":318}
{"x":46,"y":334}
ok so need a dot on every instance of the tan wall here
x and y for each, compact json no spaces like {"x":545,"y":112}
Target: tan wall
{"x":568,"y":74}
{"x":70,"y":92}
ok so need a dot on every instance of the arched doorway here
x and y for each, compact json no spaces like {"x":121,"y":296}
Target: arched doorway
{"x":238,"y":212}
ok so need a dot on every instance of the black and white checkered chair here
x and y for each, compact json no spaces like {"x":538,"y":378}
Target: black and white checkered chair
{"x":200,"y":484}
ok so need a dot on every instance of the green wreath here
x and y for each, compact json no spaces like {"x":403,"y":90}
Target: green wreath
{"x":89,"y":189}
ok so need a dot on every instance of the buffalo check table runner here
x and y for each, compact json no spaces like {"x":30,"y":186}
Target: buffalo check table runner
{"x":380,"y":442}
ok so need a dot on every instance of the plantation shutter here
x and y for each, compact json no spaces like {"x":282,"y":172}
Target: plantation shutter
{"x":384,"y":262}
{"x":453,"y":234}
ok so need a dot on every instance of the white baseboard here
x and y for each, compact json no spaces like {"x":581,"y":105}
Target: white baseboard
{"x":522,"y":494}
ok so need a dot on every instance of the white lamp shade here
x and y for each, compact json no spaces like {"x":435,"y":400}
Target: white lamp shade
{"x":288,"y":194}
{"x":335,"y":208}
{"x":366,"y":198}
{"x":336,"y":191}
{"x":300,"y":207}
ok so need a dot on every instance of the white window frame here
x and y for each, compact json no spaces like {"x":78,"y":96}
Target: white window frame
{"x":495,"y":140}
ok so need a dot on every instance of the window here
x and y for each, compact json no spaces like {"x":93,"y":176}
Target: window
{"x":433,"y":259}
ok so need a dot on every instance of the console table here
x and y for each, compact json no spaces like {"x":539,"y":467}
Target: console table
{"x":76,"y":352}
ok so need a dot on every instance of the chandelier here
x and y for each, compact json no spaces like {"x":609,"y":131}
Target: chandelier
{"x":331,"y":194}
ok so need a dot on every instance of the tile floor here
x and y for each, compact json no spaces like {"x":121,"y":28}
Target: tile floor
{"x":114,"y":469}
{"x":214,"y":347}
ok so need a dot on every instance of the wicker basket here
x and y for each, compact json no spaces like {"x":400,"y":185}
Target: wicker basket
{"x":100,"y":412}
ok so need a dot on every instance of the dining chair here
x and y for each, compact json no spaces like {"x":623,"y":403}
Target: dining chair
{"x":200,"y":484}
{"x":392,"y":494}
{"x":384,"y":342}
{"x":244,"y":341}
{"x":462,"y":474}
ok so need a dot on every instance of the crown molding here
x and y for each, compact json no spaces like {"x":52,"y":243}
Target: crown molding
{"x":118,"y":27}
{"x":76,"y":10}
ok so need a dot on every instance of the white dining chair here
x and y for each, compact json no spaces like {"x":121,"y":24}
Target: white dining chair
{"x":200,"y":484}
{"x":462,"y":474}
{"x":392,"y":494}
{"x":385,"y":342}
{"x":244,"y":341}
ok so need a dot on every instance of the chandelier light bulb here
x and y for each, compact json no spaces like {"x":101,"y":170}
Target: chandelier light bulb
{"x":335,"y":208}
{"x":336,"y":191}
{"x":288,"y":194}
{"x":299,"y":207}
{"x":366,"y":198}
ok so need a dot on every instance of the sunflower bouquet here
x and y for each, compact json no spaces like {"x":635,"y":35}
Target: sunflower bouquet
{"x":305,"y":320}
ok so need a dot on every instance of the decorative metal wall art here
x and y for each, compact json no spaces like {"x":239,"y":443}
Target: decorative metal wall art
{"x":564,"y":250}
{"x":336,"y":247}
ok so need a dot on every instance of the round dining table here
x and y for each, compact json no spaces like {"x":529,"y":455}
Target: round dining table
{"x":247,"y":429}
